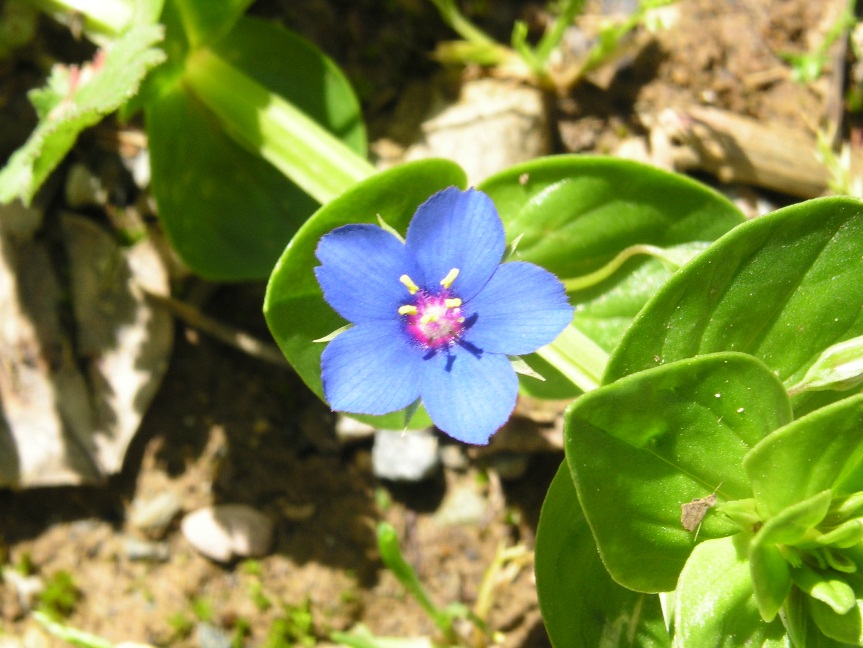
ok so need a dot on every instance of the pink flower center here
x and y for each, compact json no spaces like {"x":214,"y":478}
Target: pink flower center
{"x":433,"y":320}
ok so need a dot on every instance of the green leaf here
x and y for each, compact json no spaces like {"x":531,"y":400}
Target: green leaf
{"x":75,"y":99}
{"x":312,"y":81}
{"x":581,"y":605}
{"x":205,"y":20}
{"x":294,"y":305}
{"x":714,"y":603}
{"x":825,"y":587}
{"x":847,"y":627}
{"x":641,"y":447}
{"x":771,"y":573}
{"x":802,"y":629}
{"x":822,"y":450}
{"x":228,"y":213}
{"x":302,"y":146}
{"x":576,"y":214}
{"x":784,"y":288}
{"x":839,"y":367}
{"x":771,"y":578}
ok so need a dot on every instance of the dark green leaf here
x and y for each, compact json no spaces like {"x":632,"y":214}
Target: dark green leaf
{"x":228,"y":213}
{"x":205,"y":20}
{"x":581,"y":605}
{"x":641,"y":447}
{"x":296,"y":70}
{"x":294,"y":306}
{"x":576,"y":214}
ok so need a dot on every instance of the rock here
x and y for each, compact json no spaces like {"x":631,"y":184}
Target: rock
{"x":227,"y":531}
{"x":210,"y":636}
{"x":463,"y":505}
{"x":152,"y":516}
{"x":27,"y":588}
{"x":135,"y":549}
{"x":349,"y":430}
{"x":493,"y":125}
{"x":410,"y":455}
{"x":453,"y":456}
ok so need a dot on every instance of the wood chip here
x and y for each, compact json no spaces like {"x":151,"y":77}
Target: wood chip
{"x":692,"y":513}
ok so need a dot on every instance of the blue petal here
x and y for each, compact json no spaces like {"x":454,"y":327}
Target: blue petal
{"x":360,"y":272}
{"x":371,"y":369}
{"x":468,"y":396}
{"x":456,"y":229}
{"x":520,"y":309}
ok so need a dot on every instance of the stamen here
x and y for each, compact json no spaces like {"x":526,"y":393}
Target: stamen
{"x":409,"y":284}
{"x":446,"y":282}
{"x":407,"y":309}
{"x":455,"y":302}
{"x":428,"y":318}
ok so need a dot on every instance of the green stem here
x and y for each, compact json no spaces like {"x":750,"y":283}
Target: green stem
{"x":551,"y":39}
{"x":461,"y":25}
{"x":319,"y":163}
{"x":593,"y":278}
{"x":577,"y":357}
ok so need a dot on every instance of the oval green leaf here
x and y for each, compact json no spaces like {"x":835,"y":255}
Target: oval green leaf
{"x":714,"y":601}
{"x":640,"y":448}
{"x":783,"y":288}
{"x":822,"y":450}
{"x":576,"y":214}
{"x":581,"y":605}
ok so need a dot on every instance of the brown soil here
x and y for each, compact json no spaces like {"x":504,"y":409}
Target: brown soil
{"x":229,"y":428}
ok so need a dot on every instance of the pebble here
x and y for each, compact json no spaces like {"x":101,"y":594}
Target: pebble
{"x":153,"y":515}
{"x":409,"y":456}
{"x":28,"y":588}
{"x":135,"y":549}
{"x":454,"y":457}
{"x":349,"y":430}
{"x":463,"y":505}
{"x":227,"y":531}
{"x":209,"y":636}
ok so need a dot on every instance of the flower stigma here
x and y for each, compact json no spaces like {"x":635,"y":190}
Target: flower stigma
{"x":433,"y":320}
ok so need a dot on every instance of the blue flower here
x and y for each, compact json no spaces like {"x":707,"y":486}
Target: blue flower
{"x":435,"y":317}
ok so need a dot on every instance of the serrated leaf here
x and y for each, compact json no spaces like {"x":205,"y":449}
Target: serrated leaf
{"x":75,"y":99}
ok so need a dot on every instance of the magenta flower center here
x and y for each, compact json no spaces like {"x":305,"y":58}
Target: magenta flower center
{"x":434,"y":320}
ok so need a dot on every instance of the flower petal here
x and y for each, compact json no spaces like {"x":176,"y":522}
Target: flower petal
{"x":371,"y":369}
{"x":469,"y":396}
{"x":456,"y":229}
{"x":360,"y":272}
{"x":520,"y":309}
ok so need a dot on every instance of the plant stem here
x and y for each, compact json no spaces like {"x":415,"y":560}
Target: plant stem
{"x":319,"y":163}
{"x":577,"y":357}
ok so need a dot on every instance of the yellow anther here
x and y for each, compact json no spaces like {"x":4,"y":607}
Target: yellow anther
{"x":407,"y":309}
{"x":428,"y":318}
{"x":409,"y":284}
{"x":452,"y":303}
{"x":446,"y":282}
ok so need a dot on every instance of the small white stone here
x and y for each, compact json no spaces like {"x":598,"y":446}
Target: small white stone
{"x":155,"y":514}
{"x":410,"y":455}
{"x":227,"y":531}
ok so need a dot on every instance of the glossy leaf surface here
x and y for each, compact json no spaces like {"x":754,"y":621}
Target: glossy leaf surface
{"x":582,"y":607}
{"x":641,"y":447}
